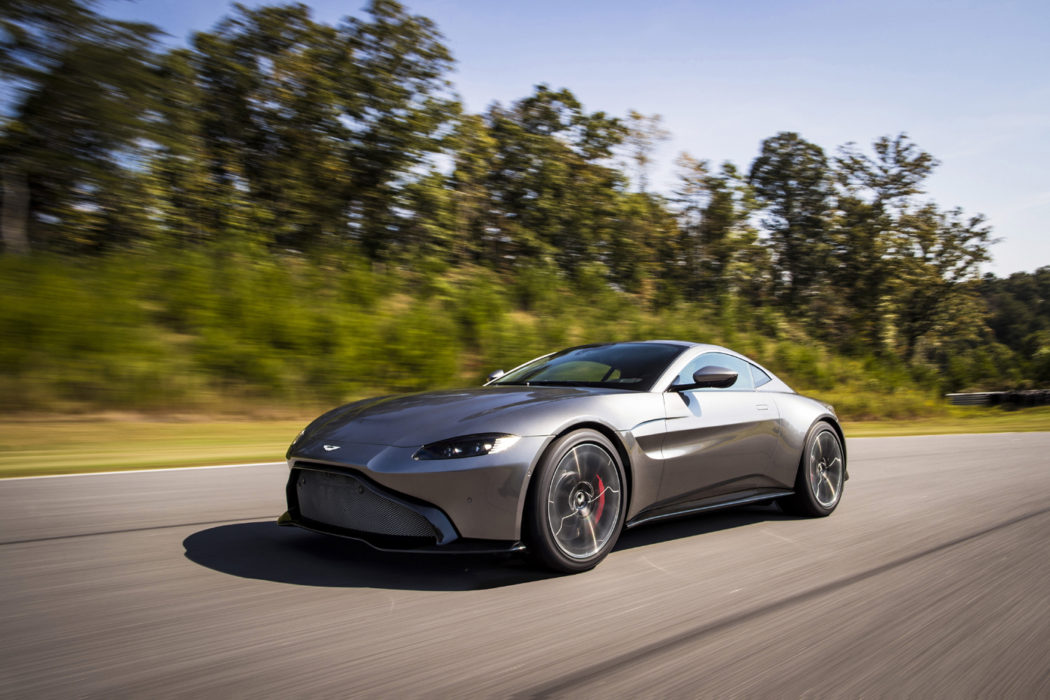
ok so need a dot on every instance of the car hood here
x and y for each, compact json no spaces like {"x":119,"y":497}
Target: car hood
{"x":418,"y":419}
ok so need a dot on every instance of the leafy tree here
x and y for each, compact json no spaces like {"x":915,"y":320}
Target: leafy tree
{"x":182,"y":180}
{"x":474,"y":151}
{"x":398,"y":107}
{"x":554,"y":195}
{"x":83,"y":89}
{"x":880,"y":235}
{"x":935,"y":292}
{"x":791,"y":180}
{"x":1019,"y":310}
{"x":640,"y":249}
{"x":691,"y":198}
{"x":721,"y":254}
{"x":322,"y":125}
{"x":643,"y":135}
{"x":270,"y":123}
{"x":895,"y":173}
{"x":36,"y":32}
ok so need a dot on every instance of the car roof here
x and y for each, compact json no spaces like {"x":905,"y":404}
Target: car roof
{"x":679,"y":343}
{"x":707,"y":347}
{"x":682,"y":343}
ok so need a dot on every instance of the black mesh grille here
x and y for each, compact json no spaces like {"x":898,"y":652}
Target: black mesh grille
{"x":347,"y":502}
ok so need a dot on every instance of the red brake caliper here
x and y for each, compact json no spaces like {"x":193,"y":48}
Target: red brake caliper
{"x":601,"y":500}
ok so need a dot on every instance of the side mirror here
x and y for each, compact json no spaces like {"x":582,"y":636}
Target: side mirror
{"x":709,"y":377}
{"x":494,"y":376}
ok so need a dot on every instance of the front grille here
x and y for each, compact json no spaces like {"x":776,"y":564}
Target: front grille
{"x":348,"y":502}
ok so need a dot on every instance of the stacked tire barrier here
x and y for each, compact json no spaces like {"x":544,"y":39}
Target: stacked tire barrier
{"x":1027,"y":397}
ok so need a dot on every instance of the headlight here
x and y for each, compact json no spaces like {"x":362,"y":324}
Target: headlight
{"x":467,"y":446}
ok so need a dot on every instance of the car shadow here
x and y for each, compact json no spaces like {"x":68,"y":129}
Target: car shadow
{"x":266,"y":551}
{"x":699,"y":524}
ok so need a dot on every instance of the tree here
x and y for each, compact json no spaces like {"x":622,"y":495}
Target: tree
{"x":182,"y":180}
{"x":323,"y":126}
{"x":874,"y":200}
{"x":895,"y":173}
{"x":84,"y":88}
{"x":643,"y":135}
{"x":473,"y":150}
{"x":398,"y":107}
{"x":553,"y":194}
{"x":733,"y":260}
{"x":935,"y":292}
{"x":1019,"y":310}
{"x":691,"y":198}
{"x":719,"y":246}
{"x":641,"y":246}
{"x":270,"y":123}
{"x":790,"y":180}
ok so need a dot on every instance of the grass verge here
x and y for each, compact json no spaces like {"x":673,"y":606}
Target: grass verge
{"x":67,"y":446}
{"x":960,"y":420}
{"x":42,"y":446}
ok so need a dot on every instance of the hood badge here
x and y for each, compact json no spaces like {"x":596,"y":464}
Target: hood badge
{"x":329,"y":448}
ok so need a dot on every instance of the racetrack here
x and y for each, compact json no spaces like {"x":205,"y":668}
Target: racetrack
{"x":932,"y":579}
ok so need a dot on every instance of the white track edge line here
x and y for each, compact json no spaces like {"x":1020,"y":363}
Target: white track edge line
{"x":143,"y":471}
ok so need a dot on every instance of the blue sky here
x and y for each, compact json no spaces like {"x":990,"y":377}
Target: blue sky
{"x":968,"y":81}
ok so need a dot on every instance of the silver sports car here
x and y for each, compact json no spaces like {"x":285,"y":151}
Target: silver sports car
{"x":558,"y":455}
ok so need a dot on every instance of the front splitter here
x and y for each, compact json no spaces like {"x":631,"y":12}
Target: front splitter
{"x":404,"y":545}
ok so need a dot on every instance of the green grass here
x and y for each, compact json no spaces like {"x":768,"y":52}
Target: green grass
{"x":69,"y":446}
{"x":960,"y":420}
{"x":33,"y":447}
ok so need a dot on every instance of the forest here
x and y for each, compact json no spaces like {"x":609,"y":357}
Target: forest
{"x":290,"y":213}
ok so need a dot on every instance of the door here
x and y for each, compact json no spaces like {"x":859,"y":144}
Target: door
{"x":718,"y":441}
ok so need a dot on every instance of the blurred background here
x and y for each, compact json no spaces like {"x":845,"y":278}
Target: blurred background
{"x":287,"y":213}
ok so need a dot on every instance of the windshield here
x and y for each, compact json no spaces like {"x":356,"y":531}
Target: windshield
{"x":622,"y":365}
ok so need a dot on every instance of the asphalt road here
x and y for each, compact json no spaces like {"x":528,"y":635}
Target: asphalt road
{"x":932,"y":580}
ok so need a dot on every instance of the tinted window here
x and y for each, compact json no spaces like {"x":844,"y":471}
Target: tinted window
{"x":744,"y":382}
{"x":623,"y":365}
{"x":760,"y":376}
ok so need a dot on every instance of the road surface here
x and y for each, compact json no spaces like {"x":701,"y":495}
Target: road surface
{"x":932,"y":580}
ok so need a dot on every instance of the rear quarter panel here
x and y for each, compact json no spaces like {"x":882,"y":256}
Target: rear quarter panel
{"x":798,"y":414}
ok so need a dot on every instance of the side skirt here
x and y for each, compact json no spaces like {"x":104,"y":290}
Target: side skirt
{"x":698,"y":507}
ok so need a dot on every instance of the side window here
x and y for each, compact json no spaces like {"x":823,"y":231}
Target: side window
{"x":744,"y":381}
{"x":760,"y":376}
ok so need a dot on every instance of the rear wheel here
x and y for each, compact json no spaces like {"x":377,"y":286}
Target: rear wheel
{"x":821,"y":475}
{"x":576,"y":506}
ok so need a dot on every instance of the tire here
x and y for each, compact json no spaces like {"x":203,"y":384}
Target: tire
{"x":821,"y":475}
{"x":577,"y":502}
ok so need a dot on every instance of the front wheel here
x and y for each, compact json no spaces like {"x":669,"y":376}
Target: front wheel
{"x":821,"y":475}
{"x":577,"y":502}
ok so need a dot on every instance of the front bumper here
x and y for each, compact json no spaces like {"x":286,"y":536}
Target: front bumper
{"x":380,"y":495}
{"x":391,"y":544}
